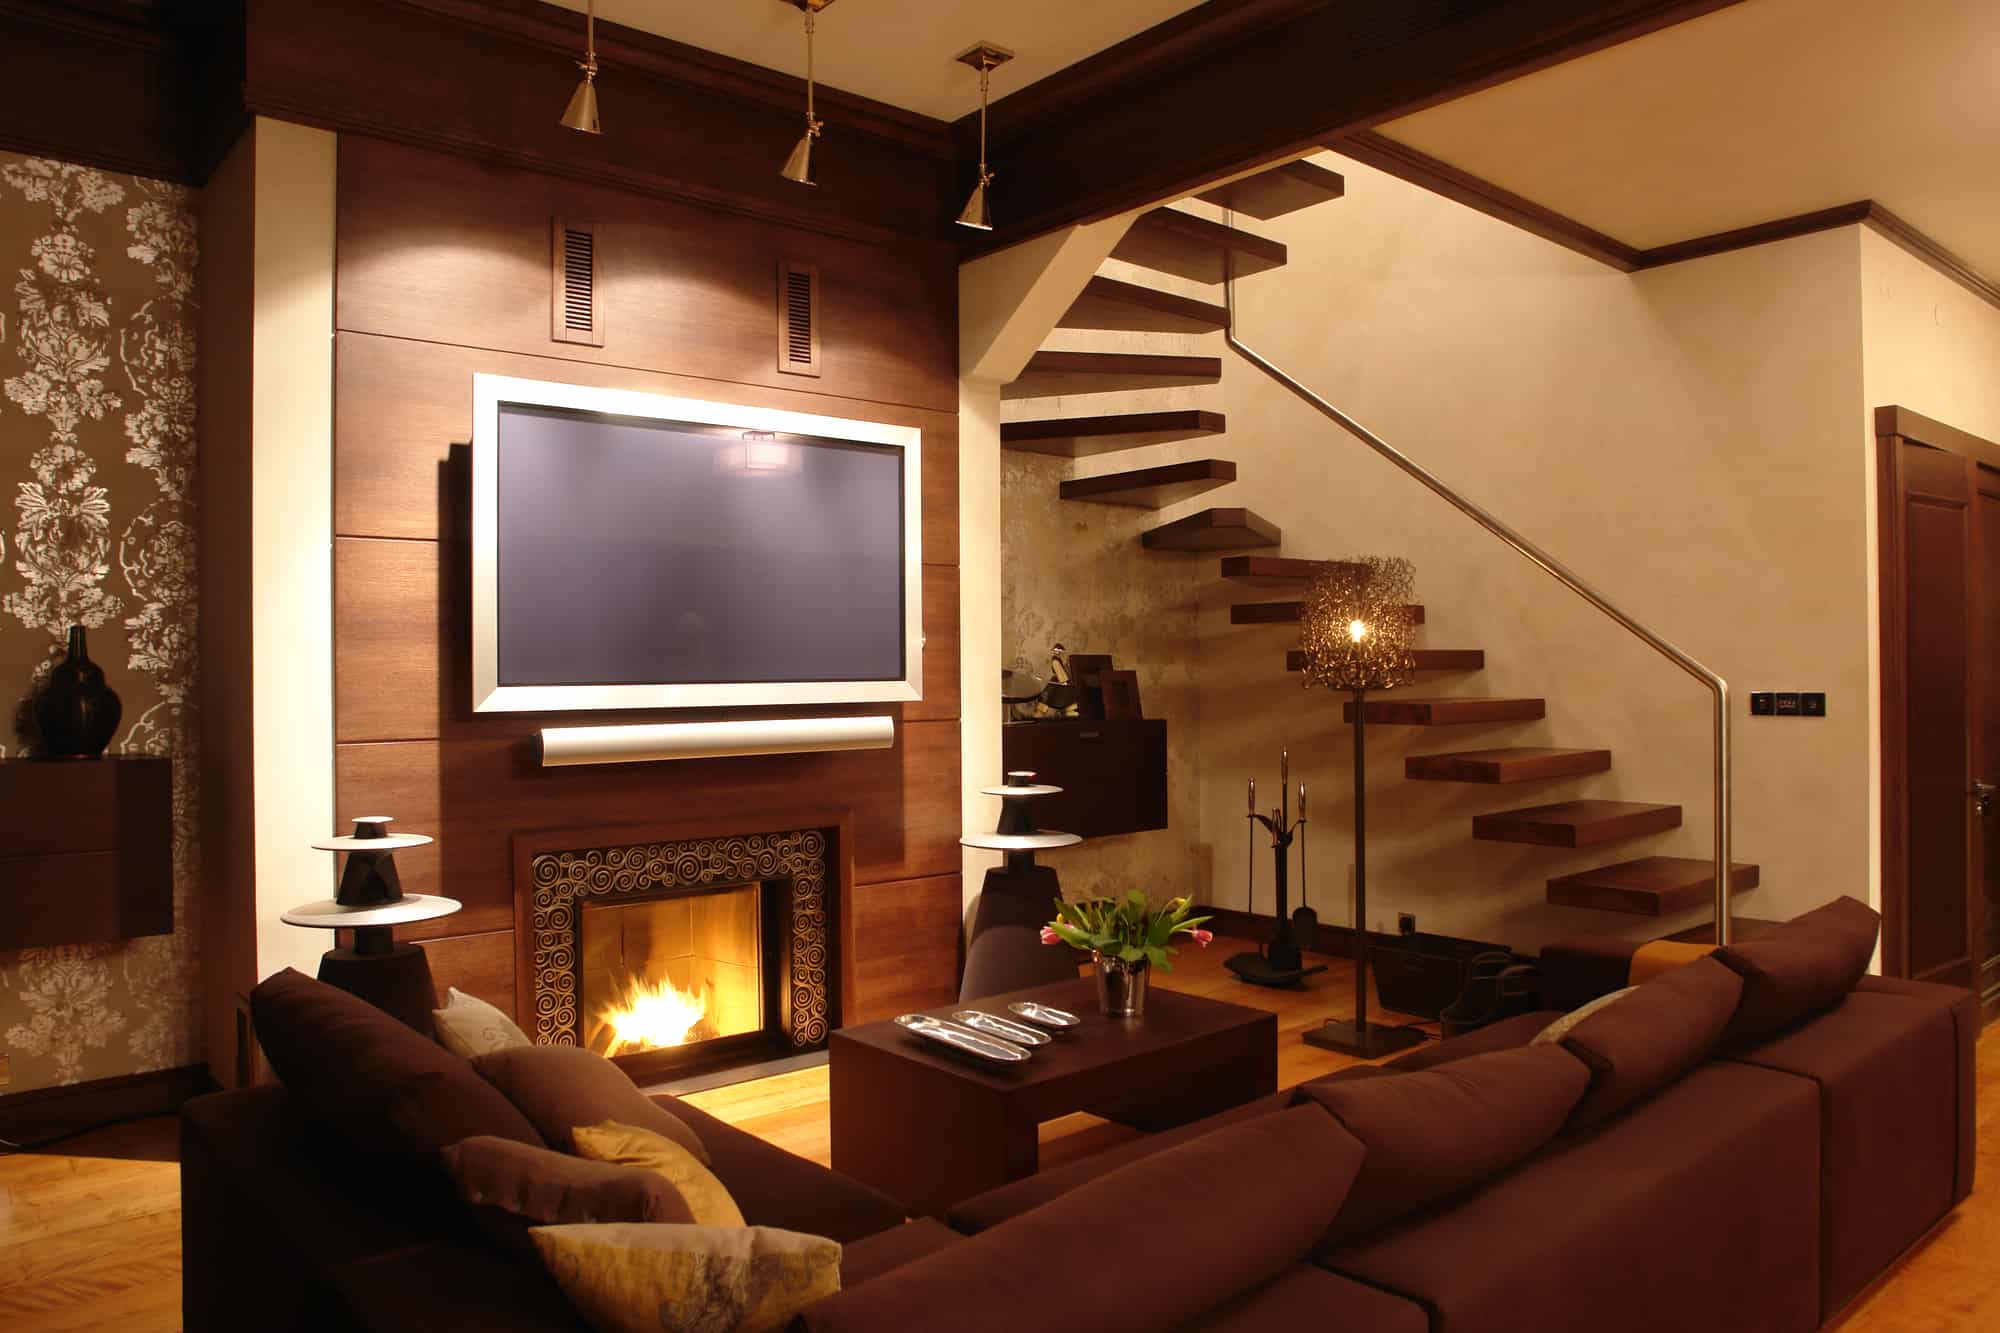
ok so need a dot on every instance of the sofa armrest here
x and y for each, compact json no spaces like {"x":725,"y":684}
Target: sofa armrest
{"x":438,"y":1285}
{"x":775,"y":1188}
{"x":1964,"y":1007}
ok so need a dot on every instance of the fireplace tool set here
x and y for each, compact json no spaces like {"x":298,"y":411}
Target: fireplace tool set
{"x":1280,"y":963}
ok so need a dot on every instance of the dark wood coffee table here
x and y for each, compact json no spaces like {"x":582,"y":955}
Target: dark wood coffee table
{"x":930,"y":1128}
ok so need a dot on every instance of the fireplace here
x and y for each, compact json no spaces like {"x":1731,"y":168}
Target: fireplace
{"x":681,"y":957}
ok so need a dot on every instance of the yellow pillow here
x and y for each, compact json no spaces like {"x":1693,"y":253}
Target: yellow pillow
{"x":628,"y":1145}
{"x":659,"y":1277}
{"x":1662,"y":956}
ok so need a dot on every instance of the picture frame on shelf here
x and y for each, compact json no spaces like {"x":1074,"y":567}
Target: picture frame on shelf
{"x":1120,"y":693}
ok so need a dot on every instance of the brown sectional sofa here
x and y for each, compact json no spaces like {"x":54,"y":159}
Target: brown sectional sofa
{"x":1751,"y":1192}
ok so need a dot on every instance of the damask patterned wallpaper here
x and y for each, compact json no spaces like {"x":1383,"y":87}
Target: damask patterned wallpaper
{"x":97,"y":528}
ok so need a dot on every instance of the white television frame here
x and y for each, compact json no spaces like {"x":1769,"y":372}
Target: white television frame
{"x":489,"y":392}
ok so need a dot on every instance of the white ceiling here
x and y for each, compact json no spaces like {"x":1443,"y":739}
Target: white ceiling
{"x":898,"y":51}
{"x":1760,"y":111}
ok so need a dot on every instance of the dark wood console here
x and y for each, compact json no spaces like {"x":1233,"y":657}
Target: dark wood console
{"x":1113,"y":774}
{"x":86,"y":850}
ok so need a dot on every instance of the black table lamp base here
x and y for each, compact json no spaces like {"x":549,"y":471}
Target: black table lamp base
{"x":1365,"y":1039}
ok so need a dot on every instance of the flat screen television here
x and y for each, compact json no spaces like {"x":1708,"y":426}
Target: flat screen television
{"x":636,"y":551}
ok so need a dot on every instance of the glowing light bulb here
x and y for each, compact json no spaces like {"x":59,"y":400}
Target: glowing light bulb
{"x":1356,"y":630}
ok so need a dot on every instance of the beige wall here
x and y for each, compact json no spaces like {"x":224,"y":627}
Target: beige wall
{"x":1928,"y":344}
{"x":1683,"y":438}
{"x":98,"y":470}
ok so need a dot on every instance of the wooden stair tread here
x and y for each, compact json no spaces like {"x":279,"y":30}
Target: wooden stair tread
{"x":1428,"y":659}
{"x":1109,"y":303}
{"x":1282,"y":189}
{"x":1169,"y":240}
{"x":1152,"y":487}
{"x":1048,"y":373}
{"x":1259,"y":571}
{"x":1213,"y":530}
{"x":1078,"y":437}
{"x":1287,"y":613}
{"x":1650,"y":886}
{"x":1464,"y":710}
{"x":1514,"y":763}
{"x":1576,"y":823}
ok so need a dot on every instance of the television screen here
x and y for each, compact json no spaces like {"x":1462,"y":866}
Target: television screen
{"x":645,"y":560}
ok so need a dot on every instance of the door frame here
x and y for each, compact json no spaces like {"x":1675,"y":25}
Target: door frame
{"x":1896,"y":426}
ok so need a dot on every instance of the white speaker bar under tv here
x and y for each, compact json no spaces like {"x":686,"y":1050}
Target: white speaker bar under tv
{"x":563,"y":746}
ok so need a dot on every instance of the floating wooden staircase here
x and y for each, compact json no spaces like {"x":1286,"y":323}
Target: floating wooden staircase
{"x":1288,"y":613}
{"x":1078,"y":437}
{"x":1213,"y":530}
{"x":1576,"y":823}
{"x":1649,"y":886}
{"x":1202,"y":250}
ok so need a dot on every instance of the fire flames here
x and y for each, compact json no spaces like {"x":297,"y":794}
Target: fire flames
{"x":651,"y":1015}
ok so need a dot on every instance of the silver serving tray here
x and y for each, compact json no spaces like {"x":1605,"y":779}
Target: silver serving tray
{"x":1043,"y":1015}
{"x":964,"y":1040}
{"x":995,"y":1026}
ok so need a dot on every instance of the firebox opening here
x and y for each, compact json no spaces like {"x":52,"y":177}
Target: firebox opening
{"x":665,"y":972}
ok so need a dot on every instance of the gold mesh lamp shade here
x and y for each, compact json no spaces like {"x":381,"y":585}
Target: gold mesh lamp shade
{"x":1355,"y":631}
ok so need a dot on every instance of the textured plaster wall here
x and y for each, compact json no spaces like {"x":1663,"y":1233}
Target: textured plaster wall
{"x":97,"y":462}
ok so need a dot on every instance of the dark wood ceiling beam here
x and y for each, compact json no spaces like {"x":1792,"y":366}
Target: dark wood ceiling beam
{"x":1280,"y":90}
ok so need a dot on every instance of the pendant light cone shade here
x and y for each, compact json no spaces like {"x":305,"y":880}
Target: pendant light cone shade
{"x":976,"y":214}
{"x":581,"y":113}
{"x":798,"y":167}
{"x":984,"y":57}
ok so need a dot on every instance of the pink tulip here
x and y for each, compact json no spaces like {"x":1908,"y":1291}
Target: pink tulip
{"x":1049,"y":935}
{"x":1202,"y":937}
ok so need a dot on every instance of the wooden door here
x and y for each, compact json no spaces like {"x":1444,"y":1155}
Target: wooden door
{"x":1939,"y":500}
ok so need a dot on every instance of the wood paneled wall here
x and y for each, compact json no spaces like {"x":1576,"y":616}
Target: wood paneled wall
{"x":443,"y":272}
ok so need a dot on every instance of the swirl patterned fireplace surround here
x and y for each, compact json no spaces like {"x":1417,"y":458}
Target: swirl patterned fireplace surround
{"x":735,"y":934}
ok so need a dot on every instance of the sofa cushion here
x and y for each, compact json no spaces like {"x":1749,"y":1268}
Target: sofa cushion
{"x":1801,"y":967}
{"x":1436,"y":1132}
{"x":1503,"y":1035}
{"x":1016,"y":1197}
{"x":628,"y":1145}
{"x":1887,"y":1071}
{"x":367,"y":1077}
{"x":1312,"y":1298}
{"x":425,"y":1288}
{"x":884,"y":1252}
{"x":511,"y":1186}
{"x":559,"y":1088}
{"x":774,"y":1188}
{"x":1698,"y":1209}
{"x":1202,"y":1223}
{"x":1650,"y":1036}
{"x":628,"y":1278}
{"x":1963,"y":1006}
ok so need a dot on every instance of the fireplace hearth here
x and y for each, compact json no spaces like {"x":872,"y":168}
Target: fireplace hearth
{"x":681,"y":957}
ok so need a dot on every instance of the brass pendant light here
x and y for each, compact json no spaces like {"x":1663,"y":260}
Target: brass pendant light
{"x":798,"y":167}
{"x":984,"y":57}
{"x":581,"y":113}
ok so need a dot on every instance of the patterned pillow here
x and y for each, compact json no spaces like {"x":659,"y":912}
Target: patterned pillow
{"x":469,"y":1026}
{"x":1559,"y":1029}
{"x":639,"y":1278}
{"x":627,"y":1145}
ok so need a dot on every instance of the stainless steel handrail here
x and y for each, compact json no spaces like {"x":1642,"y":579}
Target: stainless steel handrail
{"x":1717,"y":686}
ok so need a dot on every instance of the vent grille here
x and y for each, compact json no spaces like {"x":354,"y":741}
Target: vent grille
{"x":798,"y":318}
{"x":575,"y":316}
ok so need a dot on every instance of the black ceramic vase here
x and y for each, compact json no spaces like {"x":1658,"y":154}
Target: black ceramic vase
{"x":76,"y":712}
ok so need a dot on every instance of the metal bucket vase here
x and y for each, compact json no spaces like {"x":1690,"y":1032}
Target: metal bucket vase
{"x":1121,"y":986}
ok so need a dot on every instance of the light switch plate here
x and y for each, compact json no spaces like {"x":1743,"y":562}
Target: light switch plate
{"x":1788,"y":703}
{"x":1812,"y":703}
{"x":1763,"y":704}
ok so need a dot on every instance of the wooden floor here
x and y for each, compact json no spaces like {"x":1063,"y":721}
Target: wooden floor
{"x":90,"y":1232}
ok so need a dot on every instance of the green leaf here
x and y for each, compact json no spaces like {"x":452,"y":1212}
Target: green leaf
{"x":1131,"y":953}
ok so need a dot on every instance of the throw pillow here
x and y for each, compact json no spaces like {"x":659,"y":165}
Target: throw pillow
{"x":1436,"y":1132}
{"x":510,"y":1187}
{"x":681,"y":1279}
{"x":1559,"y":1029}
{"x":1659,"y":957}
{"x":371,"y":1080}
{"x":629,"y":1145}
{"x":1806,"y":965}
{"x":561,"y":1087}
{"x":469,"y":1026}
{"x":1653,"y":1035}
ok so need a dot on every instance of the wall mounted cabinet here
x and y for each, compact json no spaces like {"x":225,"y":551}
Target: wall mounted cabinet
{"x":1113,"y":774}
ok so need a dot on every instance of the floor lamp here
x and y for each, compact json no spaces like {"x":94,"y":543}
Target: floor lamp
{"x":1355,"y":631}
